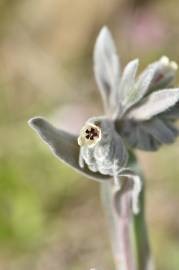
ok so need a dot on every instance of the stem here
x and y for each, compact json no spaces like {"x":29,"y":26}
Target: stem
{"x":119,"y":228}
{"x":141,"y":236}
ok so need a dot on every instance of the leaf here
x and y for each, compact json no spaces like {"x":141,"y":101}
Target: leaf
{"x":106,"y":67}
{"x":128,"y":81}
{"x":134,"y":191}
{"x":141,"y":86}
{"x":145,"y":141}
{"x":63,"y":145}
{"x":148,"y":135}
{"x":137,"y":137}
{"x":172,"y":114}
{"x":160,"y":131}
{"x":154,"y":104}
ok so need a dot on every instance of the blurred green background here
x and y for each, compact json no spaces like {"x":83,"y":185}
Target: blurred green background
{"x":50,"y":217}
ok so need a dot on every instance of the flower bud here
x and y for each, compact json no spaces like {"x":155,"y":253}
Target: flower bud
{"x":165,"y":73}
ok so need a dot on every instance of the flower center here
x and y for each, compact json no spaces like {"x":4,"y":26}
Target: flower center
{"x":91,"y":134}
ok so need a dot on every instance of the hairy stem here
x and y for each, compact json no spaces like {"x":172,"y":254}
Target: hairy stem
{"x":119,"y":228}
{"x":141,"y":236}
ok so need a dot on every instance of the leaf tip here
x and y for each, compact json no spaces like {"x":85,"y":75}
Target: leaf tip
{"x":104,"y":37}
{"x":135,"y":63}
{"x":36,"y":122}
{"x":136,"y":60}
{"x":104,"y":32}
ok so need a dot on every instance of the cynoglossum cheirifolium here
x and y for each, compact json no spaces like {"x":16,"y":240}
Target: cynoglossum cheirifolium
{"x":140,"y":113}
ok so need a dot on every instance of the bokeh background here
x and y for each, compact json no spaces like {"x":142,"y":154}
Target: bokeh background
{"x":50,"y":217}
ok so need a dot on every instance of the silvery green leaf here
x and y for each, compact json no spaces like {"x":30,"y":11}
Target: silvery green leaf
{"x":171,"y":114}
{"x":154,"y":104}
{"x":137,"y":187}
{"x":171,"y":126}
{"x":134,"y":190}
{"x":141,"y":139}
{"x":106,"y":68}
{"x":160,"y":131}
{"x":147,"y":135}
{"x":143,"y":83}
{"x":135,"y":136}
{"x":128,"y":81}
{"x":140,"y":88}
{"x":145,"y":141}
{"x":132,"y":137}
{"x":63,"y":145}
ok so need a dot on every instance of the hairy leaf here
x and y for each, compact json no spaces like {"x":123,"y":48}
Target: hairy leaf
{"x":128,"y":81}
{"x":148,"y":135}
{"x":106,"y":68}
{"x":142,"y":84}
{"x":154,"y":104}
{"x":63,"y":145}
{"x":160,"y":131}
{"x":129,"y":177}
{"x":171,"y":114}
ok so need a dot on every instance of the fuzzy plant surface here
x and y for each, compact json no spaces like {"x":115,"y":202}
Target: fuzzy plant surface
{"x":140,"y":113}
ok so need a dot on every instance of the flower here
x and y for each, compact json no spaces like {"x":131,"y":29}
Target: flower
{"x":90,"y":135}
{"x":140,"y":113}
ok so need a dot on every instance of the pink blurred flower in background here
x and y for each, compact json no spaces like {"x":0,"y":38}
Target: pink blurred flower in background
{"x":145,"y":29}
